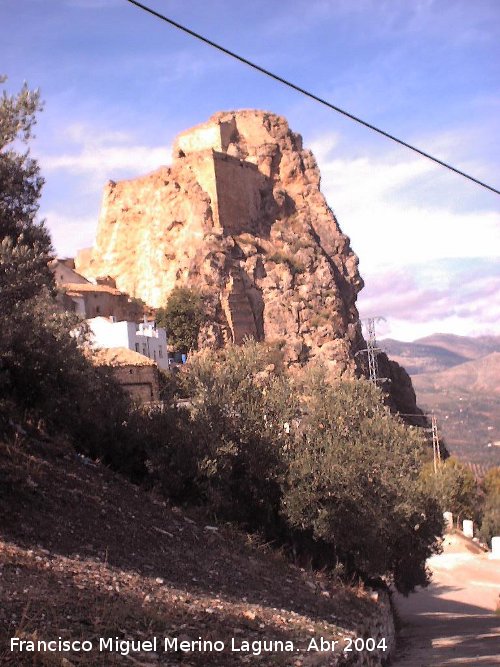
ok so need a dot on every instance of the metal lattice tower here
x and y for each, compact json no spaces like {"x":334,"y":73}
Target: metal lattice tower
{"x":372,"y":350}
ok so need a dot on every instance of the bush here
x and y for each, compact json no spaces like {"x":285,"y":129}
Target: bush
{"x":353,"y":483}
{"x":46,"y":378}
{"x":490,"y":523}
{"x":240,"y":404}
{"x":226,"y":449}
{"x":452,"y":485}
{"x":294,"y":265}
{"x":332,"y":473}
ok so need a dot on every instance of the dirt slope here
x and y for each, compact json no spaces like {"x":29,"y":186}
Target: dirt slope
{"x":85,"y":554}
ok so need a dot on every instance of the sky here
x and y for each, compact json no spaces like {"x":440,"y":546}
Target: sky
{"x":118,"y":85}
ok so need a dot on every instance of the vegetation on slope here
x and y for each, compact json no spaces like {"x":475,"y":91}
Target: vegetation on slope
{"x":85,"y":554}
{"x":294,"y":462}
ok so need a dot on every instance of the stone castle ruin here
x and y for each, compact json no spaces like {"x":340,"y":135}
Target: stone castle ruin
{"x":240,"y":216}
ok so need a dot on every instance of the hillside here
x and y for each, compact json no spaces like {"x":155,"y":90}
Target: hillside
{"x":457,"y":377}
{"x":476,"y":376}
{"x":420,"y":358}
{"x":85,"y":554}
{"x":439,"y":351}
{"x":466,"y":401}
{"x":466,"y":346}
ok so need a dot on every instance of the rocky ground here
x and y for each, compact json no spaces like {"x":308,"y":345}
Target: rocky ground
{"x":85,"y":554}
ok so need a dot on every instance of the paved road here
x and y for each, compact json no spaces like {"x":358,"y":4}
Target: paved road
{"x":453,"y":623}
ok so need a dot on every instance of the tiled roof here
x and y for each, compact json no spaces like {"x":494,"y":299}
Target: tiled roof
{"x":119,"y":356}
{"x":79,"y":288}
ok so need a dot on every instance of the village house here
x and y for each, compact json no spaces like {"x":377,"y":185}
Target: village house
{"x":93,"y":299}
{"x":64,"y":272}
{"x":137,"y":374}
{"x":145,"y":338}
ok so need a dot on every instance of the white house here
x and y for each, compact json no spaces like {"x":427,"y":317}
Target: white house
{"x":145,"y":338}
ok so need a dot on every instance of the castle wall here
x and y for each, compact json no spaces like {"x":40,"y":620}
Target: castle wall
{"x":239,"y":187}
{"x":203,"y":167}
{"x":203,"y":137}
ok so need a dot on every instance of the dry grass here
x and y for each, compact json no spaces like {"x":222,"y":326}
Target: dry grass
{"x":85,"y":554}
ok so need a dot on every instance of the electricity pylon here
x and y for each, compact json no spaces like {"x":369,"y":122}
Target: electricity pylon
{"x":372,"y":350}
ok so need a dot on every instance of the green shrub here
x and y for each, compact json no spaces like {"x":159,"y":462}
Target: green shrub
{"x":182,"y":317}
{"x":331,"y":472}
{"x":353,"y":482}
{"x":293,"y":264}
{"x":490,"y":522}
{"x":454,"y":486}
{"x":239,"y":408}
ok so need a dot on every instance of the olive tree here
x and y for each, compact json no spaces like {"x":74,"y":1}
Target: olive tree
{"x":353,"y":482}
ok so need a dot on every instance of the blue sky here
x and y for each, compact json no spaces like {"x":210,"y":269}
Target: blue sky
{"x":119,"y":85}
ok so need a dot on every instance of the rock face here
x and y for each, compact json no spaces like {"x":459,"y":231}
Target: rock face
{"x":240,"y":216}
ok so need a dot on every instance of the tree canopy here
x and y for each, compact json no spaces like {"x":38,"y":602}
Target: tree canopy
{"x":182,"y":317}
{"x":25,"y":242}
{"x":454,"y":486}
{"x":322,"y":468}
{"x":44,"y":375}
{"x":490,"y":523}
{"x":354,"y":483}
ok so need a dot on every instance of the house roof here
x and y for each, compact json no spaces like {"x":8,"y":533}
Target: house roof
{"x":119,"y":356}
{"x":76,"y":289}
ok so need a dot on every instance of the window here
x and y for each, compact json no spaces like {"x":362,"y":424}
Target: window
{"x":160,"y":352}
{"x":144,"y":349}
{"x":137,"y":347}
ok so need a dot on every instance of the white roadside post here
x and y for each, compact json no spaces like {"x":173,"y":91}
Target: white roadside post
{"x":468,"y":528}
{"x":495,"y":547}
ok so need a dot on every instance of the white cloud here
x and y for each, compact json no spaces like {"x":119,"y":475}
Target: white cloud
{"x":429,"y":258}
{"x":109,"y":159}
{"x":106,"y":153}
{"x":445,"y":295}
{"x":374,"y":200}
{"x":69,"y":231}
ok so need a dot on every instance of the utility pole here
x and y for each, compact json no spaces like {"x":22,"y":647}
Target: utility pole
{"x":436,"y":451}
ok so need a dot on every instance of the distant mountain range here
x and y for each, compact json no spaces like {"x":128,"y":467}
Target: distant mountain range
{"x":457,"y":378}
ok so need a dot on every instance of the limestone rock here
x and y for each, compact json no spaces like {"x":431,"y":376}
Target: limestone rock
{"x":239,"y":214}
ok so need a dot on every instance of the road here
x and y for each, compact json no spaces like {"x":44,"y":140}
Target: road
{"x":453,"y":622}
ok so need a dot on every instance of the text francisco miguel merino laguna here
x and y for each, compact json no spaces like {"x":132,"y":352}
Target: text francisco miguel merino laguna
{"x":175,"y":644}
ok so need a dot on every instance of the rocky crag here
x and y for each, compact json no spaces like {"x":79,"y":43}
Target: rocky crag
{"x":239,"y":214}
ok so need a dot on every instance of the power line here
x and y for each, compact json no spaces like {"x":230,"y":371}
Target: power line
{"x":305,"y":92}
